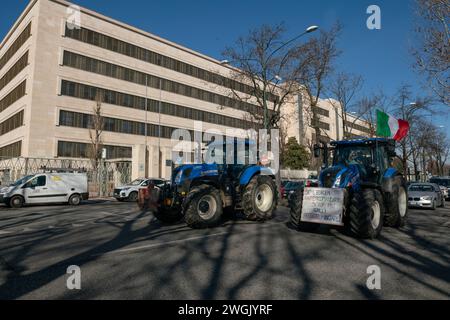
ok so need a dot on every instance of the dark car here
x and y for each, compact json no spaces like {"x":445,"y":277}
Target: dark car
{"x":291,"y":187}
{"x":444,"y":182}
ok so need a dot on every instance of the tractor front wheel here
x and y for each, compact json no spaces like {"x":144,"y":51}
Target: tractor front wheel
{"x":259,"y":199}
{"x":295,"y":205}
{"x":366,"y":213}
{"x":204,"y":209}
{"x":397,"y":206}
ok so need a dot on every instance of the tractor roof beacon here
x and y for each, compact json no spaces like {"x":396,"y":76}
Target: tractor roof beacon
{"x":202,"y":193}
{"x":375,"y":193}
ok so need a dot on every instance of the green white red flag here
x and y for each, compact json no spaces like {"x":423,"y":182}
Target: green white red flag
{"x":390,"y":127}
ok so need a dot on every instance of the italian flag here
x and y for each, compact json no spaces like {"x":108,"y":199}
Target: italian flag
{"x":388,"y":126}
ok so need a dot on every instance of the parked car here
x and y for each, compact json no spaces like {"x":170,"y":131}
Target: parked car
{"x":442,"y":181}
{"x":425,"y":195}
{"x":291,"y":187}
{"x":312,"y":181}
{"x":130,"y":191}
{"x":41,"y":188}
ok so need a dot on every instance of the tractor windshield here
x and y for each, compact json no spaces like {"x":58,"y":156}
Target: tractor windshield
{"x":357,"y":155}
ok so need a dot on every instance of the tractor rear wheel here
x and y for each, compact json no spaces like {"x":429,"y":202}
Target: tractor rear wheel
{"x":397,"y":206}
{"x":295,"y":205}
{"x":366,"y":213}
{"x":259,"y":199}
{"x":204,"y":208}
{"x":168,"y":215}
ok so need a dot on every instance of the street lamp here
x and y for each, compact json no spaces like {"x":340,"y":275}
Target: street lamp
{"x":307,"y":30}
{"x":311,"y":29}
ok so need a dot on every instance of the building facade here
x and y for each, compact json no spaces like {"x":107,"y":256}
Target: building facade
{"x":298,"y":121}
{"x":59,"y":61}
{"x":53,"y":71}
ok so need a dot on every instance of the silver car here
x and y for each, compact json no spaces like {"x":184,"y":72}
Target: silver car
{"x":425,"y":195}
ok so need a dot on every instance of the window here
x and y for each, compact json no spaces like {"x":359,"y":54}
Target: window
{"x":82,"y":150}
{"x":321,"y":111}
{"x":155,"y":58}
{"x":12,"y":150}
{"x":17,"y":44}
{"x":14,"y":71}
{"x":40,"y":181}
{"x":83,"y":91}
{"x":13,"y":96}
{"x":11,"y":123}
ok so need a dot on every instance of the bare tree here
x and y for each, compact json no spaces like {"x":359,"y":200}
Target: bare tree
{"x":321,"y":53}
{"x":439,"y":152}
{"x":95,"y":133}
{"x":343,"y":89}
{"x":269,"y":67}
{"x":409,"y":109}
{"x":365,"y":110}
{"x":433,"y":53}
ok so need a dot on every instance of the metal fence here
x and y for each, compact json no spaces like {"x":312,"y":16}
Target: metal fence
{"x":101,"y":180}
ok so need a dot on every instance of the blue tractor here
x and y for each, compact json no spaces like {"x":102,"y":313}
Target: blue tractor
{"x":373,"y":193}
{"x":202,"y":193}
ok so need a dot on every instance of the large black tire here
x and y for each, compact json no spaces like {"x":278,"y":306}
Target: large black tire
{"x":133,"y":196}
{"x":397,"y":205}
{"x":16,"y":202}
{"x":366,"y":213}
{"x":295,"y":205}
{"x":204,"y":208}
{"x":259,"y":199}
{"x":75,"y":199}
{"x":168,"y":215}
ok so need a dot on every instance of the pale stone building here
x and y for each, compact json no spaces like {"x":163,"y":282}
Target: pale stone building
{"x":57,"y":60}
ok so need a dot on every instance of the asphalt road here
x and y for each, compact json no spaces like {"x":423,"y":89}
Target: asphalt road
{"x":126,"y":254}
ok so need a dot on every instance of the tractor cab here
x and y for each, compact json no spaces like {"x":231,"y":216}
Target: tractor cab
{"x":369,"y":159}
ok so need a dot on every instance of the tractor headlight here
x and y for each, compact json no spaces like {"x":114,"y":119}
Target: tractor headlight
{"x":177,"y":179}
{"x":427,"y":198}
{"x":337,"y":183}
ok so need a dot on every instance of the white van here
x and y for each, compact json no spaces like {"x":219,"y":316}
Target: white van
{"x":46,"y":188}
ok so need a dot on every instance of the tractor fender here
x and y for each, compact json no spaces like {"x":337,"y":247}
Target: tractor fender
{"x":389,"y":178}
{"x":249,"y":173}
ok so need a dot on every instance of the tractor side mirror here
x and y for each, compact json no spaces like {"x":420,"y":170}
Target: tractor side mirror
{"x":316,"y":151}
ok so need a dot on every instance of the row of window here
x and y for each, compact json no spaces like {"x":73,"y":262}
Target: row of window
{"x":78,"y":90}
{"x":84,"y":150}
{"x":14,"y":71}
{"x":26,"y":33}
{"x":357,"y":127}
{"x":11,"y":123}
{"x":321,"y":111}
{"x":320,"y":124}
{"x":83,"y":120}
{"x":112,"y":44}
{"x":111,"y":70}
{"x":12,"y":150}
{"x":13,"y":96}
